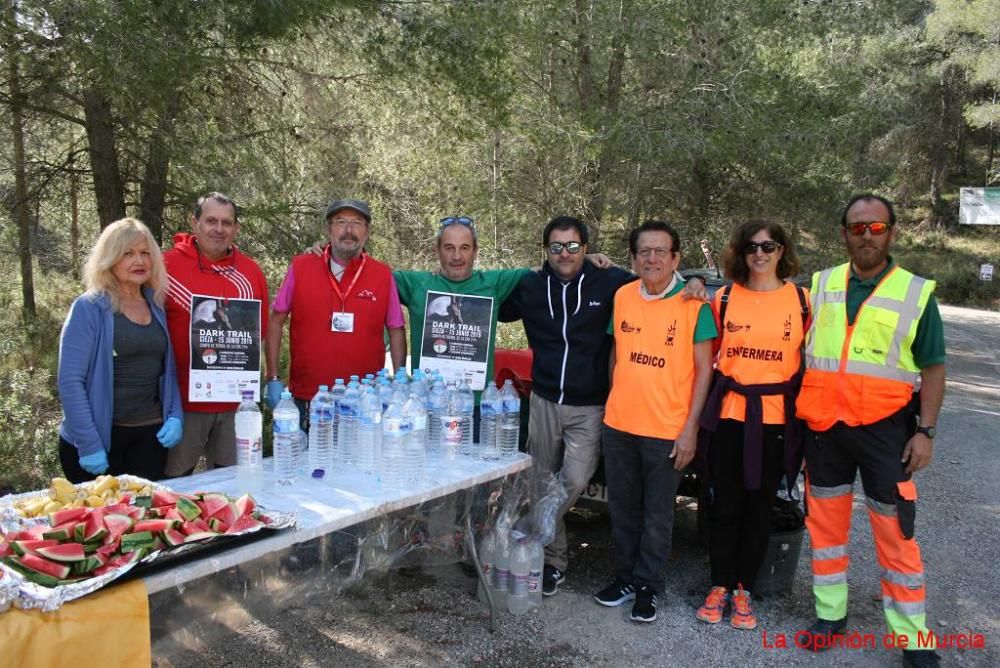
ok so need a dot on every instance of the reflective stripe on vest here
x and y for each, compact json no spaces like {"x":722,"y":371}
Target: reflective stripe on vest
{"x":897,"y":301}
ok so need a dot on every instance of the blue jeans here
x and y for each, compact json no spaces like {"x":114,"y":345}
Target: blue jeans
{"x":642,"y":485}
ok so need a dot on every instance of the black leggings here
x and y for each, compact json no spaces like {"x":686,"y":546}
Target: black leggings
{"x":740,"y":519}
{"x":134,"y":450}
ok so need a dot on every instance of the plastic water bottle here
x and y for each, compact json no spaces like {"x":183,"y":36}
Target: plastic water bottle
{"x":321,"y":433}
{"x":437,"y":400}
{"x":451,"y":425}
{"x":395,"y":430}
{"x":490,"y":408}
{"x":520,"y":568}
{"x":385,"y":393}
{"x":347,"y":427}
{"x":536,"y":561}
{"x":468,"y":407}
{"x":369,"y":432}
{"x":501,"y":566}
{"x":249,"y":433}
{"x":336,"y":394}
{"x":487,"y":547}
{"x":510,"y":420}
{"x":416,"y":440}
{"x":286,"y":439}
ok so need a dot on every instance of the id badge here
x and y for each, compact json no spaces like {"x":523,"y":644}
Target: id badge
{"x":342,"y":322}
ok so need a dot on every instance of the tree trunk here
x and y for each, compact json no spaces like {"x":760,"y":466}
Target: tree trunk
{"x":20,"y":208}
{"x":109,"y":188}
{"x":154,"y":182}
{"x":74,"y":225}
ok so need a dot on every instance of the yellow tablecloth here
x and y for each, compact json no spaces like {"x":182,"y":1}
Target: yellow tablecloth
{"x":107,"y":628}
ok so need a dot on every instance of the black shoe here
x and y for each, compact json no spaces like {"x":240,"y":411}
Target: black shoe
{"x":817,"y":638}
{"x":552,"y":577}
{"x":615,"y":594}
{"x":644,"y":608}
{"x":921,"y":658}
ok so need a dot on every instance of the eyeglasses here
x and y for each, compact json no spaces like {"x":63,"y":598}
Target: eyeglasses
{"x":347,"y":222}
{"x":767,"y":246}
{"x":876,"y":227}
{"x":457,"y":220}
{"x":572,"y":247}
{"x":658,"y":252}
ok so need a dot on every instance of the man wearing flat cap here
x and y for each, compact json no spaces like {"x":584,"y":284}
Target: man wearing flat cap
{"x":341,"y":301}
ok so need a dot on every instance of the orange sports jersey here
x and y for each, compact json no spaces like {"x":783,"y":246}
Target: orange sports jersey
{"x":654,"y":363}
{"x":760,"y":343}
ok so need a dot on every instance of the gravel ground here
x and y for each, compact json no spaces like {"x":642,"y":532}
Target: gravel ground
{"x":433,"y":618}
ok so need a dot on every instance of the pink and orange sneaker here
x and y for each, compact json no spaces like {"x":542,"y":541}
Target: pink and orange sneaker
{"x":741,"y":616}
{"x":714,"y":607}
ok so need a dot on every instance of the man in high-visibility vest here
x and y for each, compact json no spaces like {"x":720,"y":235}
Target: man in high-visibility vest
{"x":876,"y":330}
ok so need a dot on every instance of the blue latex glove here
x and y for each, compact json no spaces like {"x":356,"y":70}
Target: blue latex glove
{"x":273,"y":393}
{"x":170,"y":433}
{"x":95,"y":464}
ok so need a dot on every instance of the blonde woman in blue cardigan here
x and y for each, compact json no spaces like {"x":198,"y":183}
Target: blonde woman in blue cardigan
{"x":117,"y":377}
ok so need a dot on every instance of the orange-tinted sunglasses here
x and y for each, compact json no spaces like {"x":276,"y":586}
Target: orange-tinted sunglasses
{"x":876,"y":227}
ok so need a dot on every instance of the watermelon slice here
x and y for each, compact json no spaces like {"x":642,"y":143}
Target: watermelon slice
{"x":214,"y":502}
{"x":135,"y":512}
{"x":5,"y":549}
{"x":66,"y":515}
{"x":217,"y":525}
{"x":32,"y":533}
{"x":61,"y":532}
{"x":22,"y":547}
{"x":154,"y":513}
{"x":65,"y":552}
{"x":245,"y":505}
{"x":155,"y":526}
{"x":94,"y":529}
{"x":173,"y":537}
{"x":117,"y":525}
{"x":195,"y":526}
{"x":201,"y":535}
{"x":144,"y":501}
{"x":172,"y":514}
{"x":187,"y":509}
{"x":107,"y":550}
{"x":44,"y":566}
{"x":244,"y":524}
{"x":164,"y":498}
{"x":88,"y":564}
{"x":116,"y":509}
{"x":227,"y":513}
{"x":78,"y":531}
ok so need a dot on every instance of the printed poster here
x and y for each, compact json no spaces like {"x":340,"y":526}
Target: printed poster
{"x":225,"y":348}
{"x":456,"y":336}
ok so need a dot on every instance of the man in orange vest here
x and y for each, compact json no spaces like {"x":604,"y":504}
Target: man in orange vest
{"x":875,"y":332}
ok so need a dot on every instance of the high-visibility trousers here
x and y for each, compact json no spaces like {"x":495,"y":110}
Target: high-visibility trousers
{"x":833,"y":458}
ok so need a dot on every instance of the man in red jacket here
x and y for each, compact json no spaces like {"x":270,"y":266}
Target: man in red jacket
{"x":216,"y":314}
{"x":341,"y":303}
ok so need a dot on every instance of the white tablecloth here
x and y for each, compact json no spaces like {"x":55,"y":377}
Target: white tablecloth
{"x":343,"y":500}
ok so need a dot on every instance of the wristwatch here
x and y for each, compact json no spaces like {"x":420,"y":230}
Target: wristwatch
{"x":929,"y":431}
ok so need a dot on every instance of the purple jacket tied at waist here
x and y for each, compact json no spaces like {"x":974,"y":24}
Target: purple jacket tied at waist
{"x":753,"y":424}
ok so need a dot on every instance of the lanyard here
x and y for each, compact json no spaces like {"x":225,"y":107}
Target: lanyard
{"x":333,"y":282}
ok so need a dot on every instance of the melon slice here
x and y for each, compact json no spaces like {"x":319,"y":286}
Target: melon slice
{"x":164,"y":498}
{"x":155,"y":526}
{"x":44,"y":566}
{"x":244,"y":524}
{"x":201,"y":535}
{"x":214,"y":502}
{"x":195,"y":526}
{"x":173,"y":537}
{"x":62,"y":553}
{"x":61,"y":532}
{"x":66,"y":515}
{"x":117,"y":525}
{"x":227,"y":513}
{"x":245,"y":505}
{"x":188,"y":509}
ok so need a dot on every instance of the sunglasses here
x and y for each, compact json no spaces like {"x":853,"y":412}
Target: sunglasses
{"x":767,"y":246}
{"x":572,"y":247}
{"x":457,"y":220}
{"x":876,"y":227}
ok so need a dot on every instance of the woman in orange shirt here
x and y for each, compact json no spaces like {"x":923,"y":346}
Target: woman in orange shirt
{"x":750,"y":415}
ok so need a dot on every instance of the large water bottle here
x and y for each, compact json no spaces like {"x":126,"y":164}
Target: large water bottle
{"x":520,"y":567}
{"x":437,"y":400}
{"x":369,"y":432}
{"x":490,"y":409}
{"x":536,"y":562}
{"x":451,"y":425}
{"x":286,"y":439}
{"x":416,"y":440}
{"x":321,"y":416}
{"x":347,"y":427}
{"x":249,"y":434}
{"x":336,"y":394}
{"x":395,"y":430}
{"x":501,"y":566}
{"x":487,"y":547}
{"x":468,"y":407}
{"x":510,"y":420}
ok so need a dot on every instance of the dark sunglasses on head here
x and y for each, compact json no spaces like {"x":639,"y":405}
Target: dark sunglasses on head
{"x":457,"y":220}
{"x":766,"y":246}
{"x":876,"y":227}
{"x":572,"y":247}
